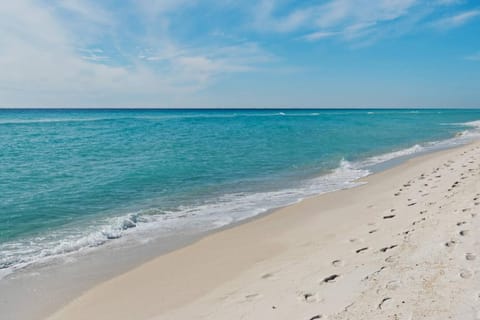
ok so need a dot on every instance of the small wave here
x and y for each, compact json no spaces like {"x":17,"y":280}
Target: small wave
{"x":459,"y":138}
{"x":52,"y":120}
{"x":391,"y":155}
{"x":466,"y":135}
{"x":149,"y":118}
{"x":475,"y":124}
{"x":215,"y":213}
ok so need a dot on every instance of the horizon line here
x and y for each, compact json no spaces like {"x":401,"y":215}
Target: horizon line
{"x":236,"y":108}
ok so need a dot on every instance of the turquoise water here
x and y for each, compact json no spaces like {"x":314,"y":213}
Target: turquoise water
{"x":76,"y":179}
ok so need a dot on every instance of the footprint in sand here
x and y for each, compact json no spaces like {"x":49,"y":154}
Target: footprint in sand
{"x":331,"y":278}
{"x":418,"y":221}
{"x":450,"y":243}
{"x":309,"y":297}
{"x":374,"y":273}
{"x":391,"y":259}
{"x":463,"y":233}
{"x":361,"y":249}
{"x":385,"y":249}
{"x":386,"y":302}
{"x":470,"y":256}
{"x":269,"y":276}
{"x":337,"y":263}
{"x":253,"y":296}
{"x":465,"y":274}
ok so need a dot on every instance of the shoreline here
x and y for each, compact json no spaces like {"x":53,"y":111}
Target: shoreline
{"x":136,"y":220}
{"x":58,"y":280}
{"x":101,"y":297}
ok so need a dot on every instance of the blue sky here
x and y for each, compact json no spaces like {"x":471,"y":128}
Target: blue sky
{"x":264,"y":53}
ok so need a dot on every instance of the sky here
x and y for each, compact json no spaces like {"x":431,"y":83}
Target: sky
{"x":240,"y":54}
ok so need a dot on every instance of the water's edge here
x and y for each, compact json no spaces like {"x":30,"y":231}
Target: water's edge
{"x":48,"y":286}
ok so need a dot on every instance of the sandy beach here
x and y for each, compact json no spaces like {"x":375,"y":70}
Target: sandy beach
{"x":402,"y":246}
{"x":224,"y":160}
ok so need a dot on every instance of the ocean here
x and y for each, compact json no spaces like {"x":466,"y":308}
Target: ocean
{"x":74,"y":180}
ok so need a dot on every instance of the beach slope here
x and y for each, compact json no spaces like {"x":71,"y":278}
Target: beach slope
{"x":402,"y":246}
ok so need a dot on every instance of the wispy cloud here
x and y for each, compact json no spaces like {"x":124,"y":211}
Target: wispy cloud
{"x":314,"y":36}
{"x":72,"y":50}
{"x":266,"y":18}
{"x":357,"y":20}
{"x":457,"y":20}
{"x":348,"y":19}
{"x":203,"y":64}
{"x":89,"y":11}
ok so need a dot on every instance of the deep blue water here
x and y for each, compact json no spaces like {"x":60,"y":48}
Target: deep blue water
{"x":71,"y":179}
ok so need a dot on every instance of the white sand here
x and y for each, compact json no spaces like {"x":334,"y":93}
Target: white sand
{"x":403,"y":246}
